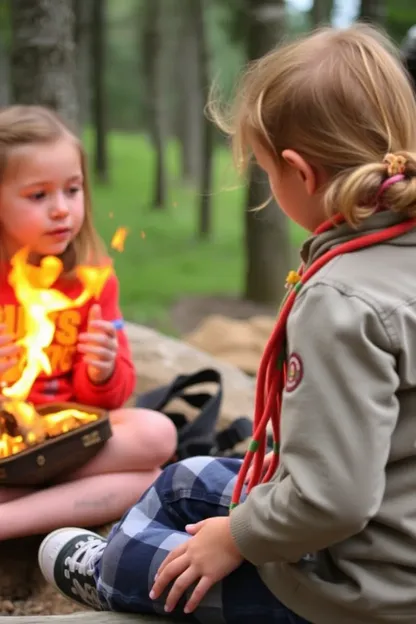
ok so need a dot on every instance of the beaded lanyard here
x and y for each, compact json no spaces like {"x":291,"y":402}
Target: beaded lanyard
{"x":272,"y":372}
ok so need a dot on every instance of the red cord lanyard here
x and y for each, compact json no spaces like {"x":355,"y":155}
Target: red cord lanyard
{"x":271,"y":377}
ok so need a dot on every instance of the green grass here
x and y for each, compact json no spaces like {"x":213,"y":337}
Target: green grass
{"x":169,"y":262}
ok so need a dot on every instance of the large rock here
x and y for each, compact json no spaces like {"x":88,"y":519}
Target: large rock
{"x":239,"y":342}
{"x":158,"y":359}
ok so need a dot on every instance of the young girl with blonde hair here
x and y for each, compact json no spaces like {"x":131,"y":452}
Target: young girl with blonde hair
{"x":45,"y":207}
{"x":325,"y":530}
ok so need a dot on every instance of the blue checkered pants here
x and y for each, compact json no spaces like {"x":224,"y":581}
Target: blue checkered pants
{"x":186,"y":492}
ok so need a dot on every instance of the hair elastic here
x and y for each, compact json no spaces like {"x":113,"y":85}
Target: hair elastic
{"x":399,"y":177}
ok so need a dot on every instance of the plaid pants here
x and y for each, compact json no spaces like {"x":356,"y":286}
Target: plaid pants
{"x":186,"y":492}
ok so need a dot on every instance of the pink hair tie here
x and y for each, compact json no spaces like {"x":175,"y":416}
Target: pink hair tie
{"x":399,"y":177}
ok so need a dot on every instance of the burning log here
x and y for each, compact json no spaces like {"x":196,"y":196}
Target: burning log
{"x":8,"y":424}
{"x":24,"y":419}
{"x":22,"y":427}
{"x":19,"y":432}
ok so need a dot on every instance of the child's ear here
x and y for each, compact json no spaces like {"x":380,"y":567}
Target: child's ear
{"x":305,"y":172}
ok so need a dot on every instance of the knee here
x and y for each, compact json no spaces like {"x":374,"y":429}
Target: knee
{"x":159,"y":436}
{"x":154,"y":433}
{"x":181,"y":476}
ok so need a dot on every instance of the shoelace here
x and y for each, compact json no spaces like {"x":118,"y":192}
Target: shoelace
{"x":271,"y":378}
{"x":82,"y":561}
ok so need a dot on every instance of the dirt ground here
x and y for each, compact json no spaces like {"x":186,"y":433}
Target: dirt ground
{"x":45,"y":601}
{"x":23,"y":590}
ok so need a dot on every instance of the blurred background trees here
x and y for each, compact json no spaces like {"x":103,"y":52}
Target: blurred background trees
{"x":133,"y":77}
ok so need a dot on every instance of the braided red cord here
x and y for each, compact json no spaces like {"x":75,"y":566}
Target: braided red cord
{"x":271,"y":377}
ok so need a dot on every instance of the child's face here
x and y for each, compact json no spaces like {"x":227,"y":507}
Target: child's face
{"x":42,"y":198}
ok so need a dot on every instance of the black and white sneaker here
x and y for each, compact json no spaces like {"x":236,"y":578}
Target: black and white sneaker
{"x":67,"y":558}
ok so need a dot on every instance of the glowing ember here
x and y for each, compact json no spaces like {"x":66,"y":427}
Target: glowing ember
{"x":33,"y":428}
{"x":33,"y":289}
{"x":119,"y":239}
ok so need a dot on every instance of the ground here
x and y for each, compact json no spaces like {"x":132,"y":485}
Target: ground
{"x":32,"y":596}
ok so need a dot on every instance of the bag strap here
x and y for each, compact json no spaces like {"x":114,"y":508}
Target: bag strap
{"x":238,"y":431}
{"x":200,"y":432}
{"x":199,"y":436}
{"x":158,"y":398}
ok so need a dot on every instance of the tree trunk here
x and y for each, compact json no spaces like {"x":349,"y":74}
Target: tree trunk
{"x":98,"y":89}
{"x":321,"y":12}
{"x":267,"y":242}
{"x":192,"y":101}
{"x":82,"y":36}
{"x":373,"y":11}
{"x":205,"y":213}
{"x":4,"y":53}
{"x":151,"y":22}
{"x":180,"y":121}
{"x":42,"y":59}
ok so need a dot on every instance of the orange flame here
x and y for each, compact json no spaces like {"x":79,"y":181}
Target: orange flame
{"x":33,"y":290}
{"x":119,"y":239}
{"x":32,"y":286}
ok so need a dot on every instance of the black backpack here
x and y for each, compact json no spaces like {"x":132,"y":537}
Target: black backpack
{"x":198,"y":436}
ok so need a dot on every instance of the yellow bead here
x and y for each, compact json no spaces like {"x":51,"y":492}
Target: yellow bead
{"x":293,"y":277}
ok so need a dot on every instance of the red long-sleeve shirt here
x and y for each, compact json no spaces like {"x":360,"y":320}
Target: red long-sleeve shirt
{"x":69,"y":380}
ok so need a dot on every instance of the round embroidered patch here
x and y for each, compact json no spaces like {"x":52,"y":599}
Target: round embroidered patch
{"x":294,"y":372}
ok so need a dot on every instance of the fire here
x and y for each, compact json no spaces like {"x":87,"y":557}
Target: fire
{"x":34,"y":429}
{"x":119,"y":239}
{"x":33,"y":289}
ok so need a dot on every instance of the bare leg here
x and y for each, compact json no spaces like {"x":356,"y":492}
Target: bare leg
{"x":142,"y":440}
{"x":88,"y":502}
{"x":10,"y":493}
{"x":103,"y":489}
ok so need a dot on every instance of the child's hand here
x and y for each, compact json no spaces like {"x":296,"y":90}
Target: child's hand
{"x":266,"y":463}
{"x":99,"y":346}
{"x":9,"y":351}
{"x":204,"y":559}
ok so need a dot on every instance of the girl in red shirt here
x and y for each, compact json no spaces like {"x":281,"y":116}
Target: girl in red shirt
{"x":45,"y":206}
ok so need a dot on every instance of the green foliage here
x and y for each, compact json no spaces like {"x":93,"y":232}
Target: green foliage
{"x":227,"y":54}
{"x":401,"y":15}
{"x":169,"y":262}
{"x":298,"y":21}
{"x":233,"y":18}
{"x":125,"y":84}
{"x":5,"y":23}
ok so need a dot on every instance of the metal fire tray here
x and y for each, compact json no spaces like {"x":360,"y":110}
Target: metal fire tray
{"x":42,"y":463}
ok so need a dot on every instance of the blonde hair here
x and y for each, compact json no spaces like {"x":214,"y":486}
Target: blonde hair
{"x":26,"y":125}
{"x":343,"y":100}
